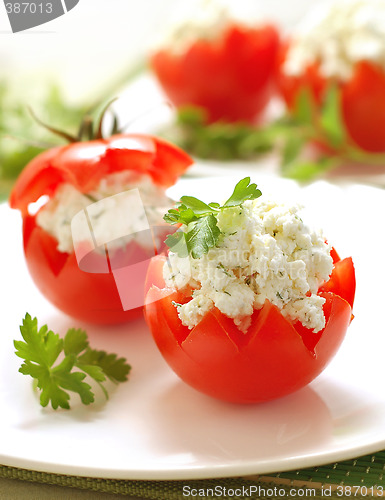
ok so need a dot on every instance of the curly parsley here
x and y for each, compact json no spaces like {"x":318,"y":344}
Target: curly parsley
{"x":54,"y":378}
{"x":200,"y":220}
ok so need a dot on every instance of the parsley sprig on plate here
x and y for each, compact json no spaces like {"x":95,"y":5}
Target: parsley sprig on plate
{"x":200,"y":220}
{"x":54,"y":377}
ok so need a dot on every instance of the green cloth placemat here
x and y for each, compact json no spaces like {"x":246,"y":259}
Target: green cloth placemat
{"x":361,"y":477}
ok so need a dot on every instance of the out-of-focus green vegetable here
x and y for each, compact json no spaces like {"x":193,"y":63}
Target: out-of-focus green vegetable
{"x":21,"y":138}
{"x":324,"y":128}
{"x":220,"y":140}
{"x":309,"y":142}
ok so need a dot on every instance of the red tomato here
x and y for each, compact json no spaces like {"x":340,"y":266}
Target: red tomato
{"x":362,"y":99}
{"x":274,"y":358}
{"x":291,"y":86}
{"x":91,"y":297}
{"x":342,"y":281}
{"x":84,"y":164}
{"x":230,"y":76}
{"x":363,"y":104}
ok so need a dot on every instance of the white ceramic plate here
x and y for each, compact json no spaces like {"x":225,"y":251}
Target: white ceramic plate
{"x":156,"y":427}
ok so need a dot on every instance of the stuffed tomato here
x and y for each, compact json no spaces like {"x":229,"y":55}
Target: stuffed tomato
{"x":73,"y":179}
{"x":341,"y":46}
{"x":219,"y":63}
{"x":250,"y":303}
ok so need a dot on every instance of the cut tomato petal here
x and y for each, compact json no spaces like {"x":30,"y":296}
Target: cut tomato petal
{"x":40,"y":246}
{"x":161,"y":303}
{"x":80,"y":164}
{"x":342,"y":281}
{"x":338,"y":314}
{"x":209,"y":342}
{"x":334,"y":255}
{"x":155,"y":273}
{"x":93,"y":298}
{"x":169,"y":164}
{"x":37,"y":179}
{"x":271,"y":360}
{"x":84,"y":164}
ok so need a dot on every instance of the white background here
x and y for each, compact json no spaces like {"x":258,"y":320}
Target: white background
{"x":100,"y":40}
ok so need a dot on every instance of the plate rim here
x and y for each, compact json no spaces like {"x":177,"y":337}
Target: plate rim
{"x":196,"y":472}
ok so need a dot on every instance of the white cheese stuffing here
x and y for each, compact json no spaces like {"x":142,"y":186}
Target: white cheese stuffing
{"x":207,"y":19}
{"x":338,"y":35}
{"x":55,"y":217}
{"x":202,"y":305}
{"x":265,"y":252}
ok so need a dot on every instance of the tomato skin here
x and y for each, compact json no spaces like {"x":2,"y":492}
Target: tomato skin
{"x":91,"y":296}
{"x":362,"y":99}
{"x":84,"y":164}
{"x":239,"y":64}
{"x":291,"y":86}
{"x":273,"y":359}
{"x":363,"y":105}
{"x":342,"y":281}
{"x":334,"y":255}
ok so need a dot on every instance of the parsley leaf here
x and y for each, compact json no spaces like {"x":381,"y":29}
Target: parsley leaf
{"x":243,"y":191}
{"x":203,"y":236}
{"x":197,"y":206}
{"x":41,"y":349}
{"x":177,"y":243}
{"x":201,"y":231}
{"x":183,"y":215}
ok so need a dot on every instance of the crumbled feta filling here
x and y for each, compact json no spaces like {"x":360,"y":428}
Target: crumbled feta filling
{"x":265,"y":252}
{"x":56,"y":216}
{"x":338,"y":35}
{"x":208,"y":19}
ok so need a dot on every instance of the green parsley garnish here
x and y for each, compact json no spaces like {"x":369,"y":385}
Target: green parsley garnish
{"x":200,"y":219}
{"x":40,"y":351}
{"x":223,"y":269}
